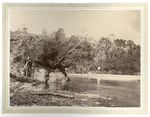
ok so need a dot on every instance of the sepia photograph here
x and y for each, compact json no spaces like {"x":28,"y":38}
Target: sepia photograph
{"x":74,"y":57}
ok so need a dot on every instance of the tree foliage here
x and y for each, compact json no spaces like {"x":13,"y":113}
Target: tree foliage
{"x":117,"y":56}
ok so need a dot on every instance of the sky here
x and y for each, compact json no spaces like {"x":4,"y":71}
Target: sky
{"x":124,"y":24}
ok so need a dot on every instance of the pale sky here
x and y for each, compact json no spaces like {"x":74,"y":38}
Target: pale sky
{"x":124,"y":24}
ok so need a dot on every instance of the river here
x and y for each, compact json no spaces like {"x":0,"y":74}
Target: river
{"x":127,"y":93}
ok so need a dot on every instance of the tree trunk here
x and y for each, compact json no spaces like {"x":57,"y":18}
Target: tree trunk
{"x":54,"y":94}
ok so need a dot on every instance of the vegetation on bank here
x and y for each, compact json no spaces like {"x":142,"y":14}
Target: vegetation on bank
{"x":117,"y":56}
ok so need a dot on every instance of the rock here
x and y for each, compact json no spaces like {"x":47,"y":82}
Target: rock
{"x":83,"y":99}
{"x":39,"y":75}
{"x":109,"y":99}
{"x":111,"y":105}
{"x":97,"y":103}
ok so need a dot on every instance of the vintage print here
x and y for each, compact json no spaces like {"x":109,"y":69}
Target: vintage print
{"x":78,"y":58}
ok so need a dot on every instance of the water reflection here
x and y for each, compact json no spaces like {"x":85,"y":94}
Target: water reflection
{"x":46,"y":85}
{"x":76,"y":84}
{"x":83,"y":84}
{"x":127,"y":92}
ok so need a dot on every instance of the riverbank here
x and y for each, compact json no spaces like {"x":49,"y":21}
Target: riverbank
{"x":24,"y":94}
{"x":107,"y":77}
{"x":84,"y":92}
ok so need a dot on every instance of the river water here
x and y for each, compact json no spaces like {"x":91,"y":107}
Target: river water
{"x":126,"y":92}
